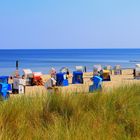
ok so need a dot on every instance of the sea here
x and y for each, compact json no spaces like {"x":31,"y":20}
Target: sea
{"x":43,"y":60}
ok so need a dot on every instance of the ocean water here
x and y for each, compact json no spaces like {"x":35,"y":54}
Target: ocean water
{"x":43,"y":60}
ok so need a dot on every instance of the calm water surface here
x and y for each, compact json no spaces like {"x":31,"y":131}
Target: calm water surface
{"x":43,"y":60}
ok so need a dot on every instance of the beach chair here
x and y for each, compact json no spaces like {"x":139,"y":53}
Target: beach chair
{"x":61,"y":79}
{"x":4,"y":90}
{"x":4,"y":79}
{"x":105,"y":75}
{"x":28,"y":74}
{"x":97,"y":84}
{"x":77,"y":77}
{"x":108,"y":67}
{"x":18,"y":86}
{"x":137,"y":71}
{"x":117,"y":70}
{"x":37,"y":79}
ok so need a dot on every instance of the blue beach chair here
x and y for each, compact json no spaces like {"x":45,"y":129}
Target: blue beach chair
{"x":4,"y":79}
{"x":97,"y":84}
{"x":61,"y":79}
{"x":77,"y":77}
{"x":4,"y":90}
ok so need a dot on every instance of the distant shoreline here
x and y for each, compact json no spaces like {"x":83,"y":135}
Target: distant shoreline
{"x":73,"y":49}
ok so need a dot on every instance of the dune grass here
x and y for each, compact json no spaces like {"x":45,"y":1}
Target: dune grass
{"x":100,"y":116}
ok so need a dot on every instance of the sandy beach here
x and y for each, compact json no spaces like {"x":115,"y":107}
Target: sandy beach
{"x":116,"y":80}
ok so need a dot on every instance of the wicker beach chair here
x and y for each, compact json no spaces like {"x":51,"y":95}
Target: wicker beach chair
{"x":117,"y":70}
{"x":137,"y":71}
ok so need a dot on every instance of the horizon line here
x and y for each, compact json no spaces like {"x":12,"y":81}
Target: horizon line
{"x":62,"y":48}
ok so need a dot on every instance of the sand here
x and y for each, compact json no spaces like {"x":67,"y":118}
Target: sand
{"x":116,"y":80}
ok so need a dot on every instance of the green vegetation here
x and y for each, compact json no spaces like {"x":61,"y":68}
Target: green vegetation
{"x":99,"y":116}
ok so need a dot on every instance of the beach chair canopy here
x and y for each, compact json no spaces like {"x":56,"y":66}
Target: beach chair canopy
{"x":117,"y":67}
{"x":108,"y":67}
{"x":106,"y":72}
{"x":4,"y":79}
{"x":80,"y":68}
{"x":137,"y":65}
{"x":28,"y":73}
{"x":97,"y":68}
{"x":64,"y":70}
{"x":37,"y":74}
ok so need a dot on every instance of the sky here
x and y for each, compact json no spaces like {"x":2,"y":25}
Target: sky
{"x":54,"y":24}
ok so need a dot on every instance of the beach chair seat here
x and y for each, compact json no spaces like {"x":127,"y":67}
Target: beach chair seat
{"x":108,"y":67}
{"x":18,"y":86}
{"x":77,"y":77}
{"x":106,"y":75}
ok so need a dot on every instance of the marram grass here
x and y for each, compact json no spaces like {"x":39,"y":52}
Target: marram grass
{"x":97,"y":116}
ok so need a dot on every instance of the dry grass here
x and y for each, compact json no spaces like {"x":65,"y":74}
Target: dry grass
{"x":114,"y":115}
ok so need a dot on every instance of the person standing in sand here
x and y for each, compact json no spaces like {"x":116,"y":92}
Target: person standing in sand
{"x":51,"y":83}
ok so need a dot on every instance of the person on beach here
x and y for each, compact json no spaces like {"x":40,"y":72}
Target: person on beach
{"x":16,"y":74}
{"x":51,"y":83}
{"x":53,"y":73}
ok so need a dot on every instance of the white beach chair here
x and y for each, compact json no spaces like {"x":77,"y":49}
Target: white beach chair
{"x":117,"y":70}
{"x":28,"y":74}
{"x":137,"y":71}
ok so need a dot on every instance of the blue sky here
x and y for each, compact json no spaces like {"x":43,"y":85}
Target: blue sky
{"x":69,"y":24}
